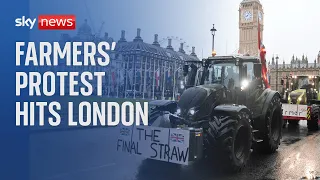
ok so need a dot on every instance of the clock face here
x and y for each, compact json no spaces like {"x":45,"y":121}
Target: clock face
{"x":247,"y":15}
{"x":260,"y":15}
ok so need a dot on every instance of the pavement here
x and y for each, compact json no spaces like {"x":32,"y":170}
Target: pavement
{"x":90,"y":154}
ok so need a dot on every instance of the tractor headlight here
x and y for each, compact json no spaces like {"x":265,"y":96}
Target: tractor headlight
{"x":244,"y":84}
{"x":178,"y":111}
{"x":192,"y":111}
{"x":299,"y":99}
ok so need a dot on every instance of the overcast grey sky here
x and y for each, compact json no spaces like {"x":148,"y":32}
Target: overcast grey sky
{"x":291,"y":26}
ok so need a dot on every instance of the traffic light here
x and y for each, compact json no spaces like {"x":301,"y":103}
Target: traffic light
{"x":282,"y":81}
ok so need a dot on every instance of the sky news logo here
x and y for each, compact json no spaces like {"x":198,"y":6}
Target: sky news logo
{"x":48,"y":22}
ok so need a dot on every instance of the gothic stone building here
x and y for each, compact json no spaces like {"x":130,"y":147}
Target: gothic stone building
{"x":286,"y":72}
{"x":138,"y":69}
{"x":151,"y":71}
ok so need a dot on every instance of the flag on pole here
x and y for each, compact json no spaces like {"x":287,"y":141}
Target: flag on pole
{"x":130,"y":77}
{"x":114,"y":79}
{"x":169,"y":76}
{"x":121,"y":78}
{"x":138,"y":77}
{"x":259,"y":36}
{"x":260,"y":43}
{"x":148,"y":77}
{"x":262,"y":52}
{"x":157,"y":75}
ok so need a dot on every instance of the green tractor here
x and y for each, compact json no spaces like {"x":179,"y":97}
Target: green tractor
{"x":305,"y":96}
{"x":229,"y":99}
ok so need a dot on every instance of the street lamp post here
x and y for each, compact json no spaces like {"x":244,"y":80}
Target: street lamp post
{"x":213,"y":32}
{"x":277,"y":58}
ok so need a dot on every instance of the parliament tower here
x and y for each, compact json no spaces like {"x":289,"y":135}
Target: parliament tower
{"x":250,"y":16}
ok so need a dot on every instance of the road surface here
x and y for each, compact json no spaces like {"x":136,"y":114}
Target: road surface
{"x":90,"y":154}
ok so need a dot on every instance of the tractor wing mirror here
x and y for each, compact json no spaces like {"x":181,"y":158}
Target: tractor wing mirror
{"x":257,"y":70}
{"x":185,"y":70}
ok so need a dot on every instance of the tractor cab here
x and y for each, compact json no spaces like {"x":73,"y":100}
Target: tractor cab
{"x":304,"y":92}
{"x":303,"y":102}
{"x":240,"y":76}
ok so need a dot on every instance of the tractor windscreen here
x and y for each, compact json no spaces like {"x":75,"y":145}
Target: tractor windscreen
{"x":305,"y":83}
{"x":226,"y":74}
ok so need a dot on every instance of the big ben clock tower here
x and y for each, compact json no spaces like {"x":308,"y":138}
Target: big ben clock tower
{"x":250,"y":16}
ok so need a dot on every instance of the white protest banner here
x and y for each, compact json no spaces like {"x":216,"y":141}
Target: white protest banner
{"x":294,"y":110}
{"x":164,"y":144}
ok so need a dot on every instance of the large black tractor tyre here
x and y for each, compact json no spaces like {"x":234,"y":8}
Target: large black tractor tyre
{"x":273,"y":128}
{"x":229,"y":140}
{"x":313,"y":123}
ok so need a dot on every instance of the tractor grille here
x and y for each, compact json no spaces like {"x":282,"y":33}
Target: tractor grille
{"x":294,"y":97}
{"x":293,"y":101}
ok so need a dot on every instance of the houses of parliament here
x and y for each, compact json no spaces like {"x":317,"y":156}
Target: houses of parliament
{"x":251,"y":23}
